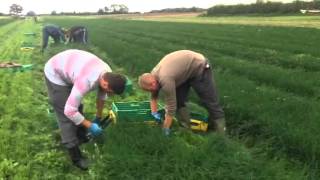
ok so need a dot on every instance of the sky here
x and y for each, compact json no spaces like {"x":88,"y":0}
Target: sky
{"x":47,"y":6}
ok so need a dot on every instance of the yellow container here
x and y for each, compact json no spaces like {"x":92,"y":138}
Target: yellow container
{"x":26,"y":48}
{"x":198,"y":125}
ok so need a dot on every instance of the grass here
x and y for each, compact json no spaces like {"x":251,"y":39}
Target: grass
{"x":262,"y":91}
{"x":262,"y":116}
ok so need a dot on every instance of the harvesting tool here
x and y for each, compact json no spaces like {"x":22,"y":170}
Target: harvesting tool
{"x":104,"y":123}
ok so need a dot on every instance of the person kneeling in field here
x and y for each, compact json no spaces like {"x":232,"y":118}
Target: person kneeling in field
{"x":69,"y":76}
{"x":77,"y":34}
{"x":174,"y":75}
{"x":56,"y":32}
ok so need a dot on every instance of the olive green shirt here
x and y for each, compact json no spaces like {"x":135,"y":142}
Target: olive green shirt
{"x":173,"y":70}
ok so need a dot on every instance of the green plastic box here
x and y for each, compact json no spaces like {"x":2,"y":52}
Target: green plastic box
{"x":134,"y":111}
{"x":22,"y":68}
{"x":29,"y":34}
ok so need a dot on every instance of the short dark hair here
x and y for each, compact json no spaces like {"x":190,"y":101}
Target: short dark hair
{"x":117,"y":82}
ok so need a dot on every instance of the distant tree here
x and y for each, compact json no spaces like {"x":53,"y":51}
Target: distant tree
{"x":123,"y":9}
{"x":15,"y":9}
{"x":259,"y":1}
{"x":114,"y":8}
{"x":54,"y":13}
{"x":31,"y":13}
{"x":100,"y":11}
{"x":106,"y":9}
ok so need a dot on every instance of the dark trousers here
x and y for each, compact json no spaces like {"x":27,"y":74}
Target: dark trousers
{"x":71,"y":134}
{"x":80,"y":36}
{"x":45,"y":38}
{"x":204,"y":86}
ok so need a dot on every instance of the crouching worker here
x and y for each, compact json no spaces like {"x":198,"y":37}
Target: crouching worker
{"x":53,"y":31}
{"x":174,"y":75}
{"x":77,"y":34}
{"x":69,"y":76}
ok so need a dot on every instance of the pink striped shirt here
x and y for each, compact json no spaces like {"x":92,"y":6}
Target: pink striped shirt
{"x":81,"y":71}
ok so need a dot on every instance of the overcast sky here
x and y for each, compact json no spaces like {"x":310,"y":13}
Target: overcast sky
{"x":47,"y":6}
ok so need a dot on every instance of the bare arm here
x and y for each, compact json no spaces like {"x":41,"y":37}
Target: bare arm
{"x":154,"y":102}
{"x":167,"y":121}
{"x":99,"y":106}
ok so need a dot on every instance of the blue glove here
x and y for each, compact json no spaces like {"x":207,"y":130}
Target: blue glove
{"x":95,"y":130}
{"x":166,"y":131}
{"x":157,"y":116}
{"x":97,"y":120}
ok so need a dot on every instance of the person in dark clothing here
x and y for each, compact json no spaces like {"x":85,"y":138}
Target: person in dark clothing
{"x":174,"y":75}
{"x":54,"y":32}
{"x":77,"y":34}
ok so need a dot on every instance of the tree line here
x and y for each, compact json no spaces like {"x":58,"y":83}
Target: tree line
{"x":261,"y":7}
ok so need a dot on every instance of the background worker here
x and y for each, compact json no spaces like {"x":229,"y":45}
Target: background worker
{"x":174,"y":75}
{"x":77,"y":34}
{"x":53,"y":31}
{"x":69,"y":76}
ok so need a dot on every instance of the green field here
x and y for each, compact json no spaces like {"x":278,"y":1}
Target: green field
{"x":267,"y":71}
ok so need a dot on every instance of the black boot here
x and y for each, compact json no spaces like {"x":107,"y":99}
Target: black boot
{"x":77,"y":159}
{"x":217,"y":125}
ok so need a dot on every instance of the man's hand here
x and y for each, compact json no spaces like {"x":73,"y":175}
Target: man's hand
{"x":157,"y":116}
{"x":95,"y":130}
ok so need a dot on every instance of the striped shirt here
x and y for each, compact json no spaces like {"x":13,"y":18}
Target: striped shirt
{"x":81,"y":71}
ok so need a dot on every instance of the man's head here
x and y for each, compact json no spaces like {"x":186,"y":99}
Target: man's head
{"x":148,"y":82}
{"x":112,"y":83}
{"x":67,"y":33}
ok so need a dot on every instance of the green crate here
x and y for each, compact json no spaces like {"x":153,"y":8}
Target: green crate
{"x":134,"y":111}
{"x":29,"y":34}
{"x":27,"y":67}
{"x":22,"y":68}
{"x":27,"y":44}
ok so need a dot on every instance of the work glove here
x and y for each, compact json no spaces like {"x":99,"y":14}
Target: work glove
{"x":97,"y":120}
{"x":95,"y":130}
{"x":166,"y":131}
{"x":157,"y":116}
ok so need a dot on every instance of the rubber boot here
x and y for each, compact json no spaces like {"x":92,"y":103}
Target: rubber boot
{"x":77,"y":159}
{"x":184,"y":117}
{"x":218,"y":125}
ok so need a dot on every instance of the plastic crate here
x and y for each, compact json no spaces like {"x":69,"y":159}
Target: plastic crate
{"x":23,"y":68}
{"x":26,"y":48}
{"x":198,"y":122}
{"x":134,"y":111}
{"x":29,"y":34}
{"x":27,"y":44}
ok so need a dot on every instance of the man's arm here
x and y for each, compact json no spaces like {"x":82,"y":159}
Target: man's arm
{"x":154,"y":102}
{"x":99,"y":105}
{"x":169,"y":90}
{"x":167,"y":121}
{"x":101,"y":97}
